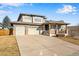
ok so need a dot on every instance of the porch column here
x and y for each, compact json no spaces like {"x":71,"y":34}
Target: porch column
{"x":49,"y":28}
{"x":66,"y":31}
{"x":43,"y":27}
{"x":56,"y":29}
{"x":40,"y":28}
{"x":66,"y":28}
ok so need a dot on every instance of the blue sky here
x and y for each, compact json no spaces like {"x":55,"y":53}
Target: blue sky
{"x":53,"y":11}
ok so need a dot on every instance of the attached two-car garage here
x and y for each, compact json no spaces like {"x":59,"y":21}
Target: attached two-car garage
{"x":26,"y":30}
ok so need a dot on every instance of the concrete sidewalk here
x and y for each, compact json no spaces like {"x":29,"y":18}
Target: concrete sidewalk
{"x":30,"y":45}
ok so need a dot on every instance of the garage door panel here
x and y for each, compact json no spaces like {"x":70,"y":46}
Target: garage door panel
{"x":20,"y":30}
{"x":33,"y":31}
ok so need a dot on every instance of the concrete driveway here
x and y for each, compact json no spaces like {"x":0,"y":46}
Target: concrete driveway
{"x":38,"y":45}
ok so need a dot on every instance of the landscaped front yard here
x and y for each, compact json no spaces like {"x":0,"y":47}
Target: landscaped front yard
{"x":70,"y":39}
{"x":8,"y":46}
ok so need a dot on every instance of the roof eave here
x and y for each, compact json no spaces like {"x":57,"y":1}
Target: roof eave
{"x":18,"y":23}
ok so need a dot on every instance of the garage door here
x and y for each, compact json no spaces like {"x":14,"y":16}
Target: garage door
{"x":33,"y":31}
{"x":20,"y":30}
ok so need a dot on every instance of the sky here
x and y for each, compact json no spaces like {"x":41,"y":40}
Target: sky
{"x":69,"y":12}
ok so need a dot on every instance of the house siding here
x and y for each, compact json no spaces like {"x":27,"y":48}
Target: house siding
{"x":32,"y":19}
{"x":27,"y":19}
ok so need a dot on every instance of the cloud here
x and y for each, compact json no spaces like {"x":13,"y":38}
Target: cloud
{"x":14,"y":4}
{"x":11,"y":5}
{"x":7,"y":5}
{"x":5,"y":12}
{"x":6,"y":8}
{"x":67,"y":9}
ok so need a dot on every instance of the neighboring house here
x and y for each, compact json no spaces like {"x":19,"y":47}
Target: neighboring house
{"x":30,"y":24}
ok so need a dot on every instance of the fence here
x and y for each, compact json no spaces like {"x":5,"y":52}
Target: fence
{"x":4,"y":32}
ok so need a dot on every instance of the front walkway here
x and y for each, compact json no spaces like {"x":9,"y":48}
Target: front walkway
{"x":45,"y":45}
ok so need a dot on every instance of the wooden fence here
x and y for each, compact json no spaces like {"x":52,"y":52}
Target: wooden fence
{"x":4,"y":32}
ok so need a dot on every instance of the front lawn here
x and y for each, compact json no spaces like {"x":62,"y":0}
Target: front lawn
{"x":8,"y":46}
{"x":70,"y":39}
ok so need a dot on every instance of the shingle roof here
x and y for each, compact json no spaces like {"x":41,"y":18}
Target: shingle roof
{"x":56,"y":22}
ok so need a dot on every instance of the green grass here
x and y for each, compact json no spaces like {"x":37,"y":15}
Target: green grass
{"x":71,"y":40}
{"x":8,"y":46}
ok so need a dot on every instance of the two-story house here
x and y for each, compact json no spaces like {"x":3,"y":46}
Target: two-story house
{"x":30,"y":24}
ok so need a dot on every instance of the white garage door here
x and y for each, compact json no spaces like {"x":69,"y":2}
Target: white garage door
{"x":33,"y":31}
{"x":20,"y":30}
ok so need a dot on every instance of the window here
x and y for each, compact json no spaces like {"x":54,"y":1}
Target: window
{"x":27,"y":19}
{"x":53,"y":27}
{"x":59,"y":26}
{"x":38,"y":20}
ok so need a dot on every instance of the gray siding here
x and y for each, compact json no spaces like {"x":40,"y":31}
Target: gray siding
{"x":27,"y":19}
{"x":32,"y":19}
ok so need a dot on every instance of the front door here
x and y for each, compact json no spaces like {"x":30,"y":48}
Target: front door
{"x":46,"y":27}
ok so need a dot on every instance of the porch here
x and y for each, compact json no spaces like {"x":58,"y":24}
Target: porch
{"x":55,"y":29}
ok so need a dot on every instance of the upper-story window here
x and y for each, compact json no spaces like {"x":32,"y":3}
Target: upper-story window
{"x":38,"y":20}
{"x":27,"y":19}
